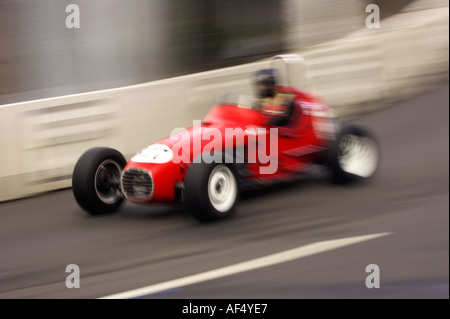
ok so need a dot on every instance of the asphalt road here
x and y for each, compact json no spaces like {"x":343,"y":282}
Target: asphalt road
{"x":143,"y":246}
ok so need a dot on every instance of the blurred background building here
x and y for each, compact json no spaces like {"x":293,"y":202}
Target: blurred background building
{"x":122,"y":43}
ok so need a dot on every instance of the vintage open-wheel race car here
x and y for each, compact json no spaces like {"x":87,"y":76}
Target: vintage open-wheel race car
{"x":232,"y":149}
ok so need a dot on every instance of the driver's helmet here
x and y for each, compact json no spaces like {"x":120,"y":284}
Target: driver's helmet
{"x":264,"y":82}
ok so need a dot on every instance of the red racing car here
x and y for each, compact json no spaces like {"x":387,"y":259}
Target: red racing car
{"x":232,"y":149}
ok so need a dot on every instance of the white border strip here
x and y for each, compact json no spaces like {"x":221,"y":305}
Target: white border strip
{"x":277,"y":258}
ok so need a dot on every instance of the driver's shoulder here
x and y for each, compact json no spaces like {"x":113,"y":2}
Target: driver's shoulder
{"x":289,"y":93}
{"x":283,"y":98}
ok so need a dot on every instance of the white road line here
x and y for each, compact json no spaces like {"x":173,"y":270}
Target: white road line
{"x":277,"y":258}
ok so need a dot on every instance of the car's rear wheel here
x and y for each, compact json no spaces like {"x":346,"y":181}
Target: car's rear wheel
{"x":211,"y":190}
{"x":96,"y":180}
{"x":354,"y":155}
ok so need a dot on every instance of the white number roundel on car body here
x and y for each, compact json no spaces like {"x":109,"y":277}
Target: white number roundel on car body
{"x":155,"y":153}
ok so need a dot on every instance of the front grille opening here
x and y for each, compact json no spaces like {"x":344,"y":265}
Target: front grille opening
{"x":137,"y":184}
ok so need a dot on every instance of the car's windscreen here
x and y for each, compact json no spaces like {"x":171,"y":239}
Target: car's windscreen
{"x":237,"y":99}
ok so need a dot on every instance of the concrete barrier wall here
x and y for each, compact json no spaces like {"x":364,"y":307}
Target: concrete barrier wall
{"x":41,"y":140}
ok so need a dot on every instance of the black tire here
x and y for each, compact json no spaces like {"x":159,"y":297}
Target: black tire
{"x":354,"y":156}
{"x":204,"y":204}
{"x":96,"y":180}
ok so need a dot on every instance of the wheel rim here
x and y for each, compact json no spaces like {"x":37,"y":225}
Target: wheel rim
{"x":358,"y":155}
{"x":222,"y":188}
{"x":107,"y":182}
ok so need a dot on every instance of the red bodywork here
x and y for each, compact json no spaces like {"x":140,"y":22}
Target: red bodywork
{"x":300,"y":143}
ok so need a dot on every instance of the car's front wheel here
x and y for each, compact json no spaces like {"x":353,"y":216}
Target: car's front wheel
{"x":211,"y":190}
{"x":96,"y":180}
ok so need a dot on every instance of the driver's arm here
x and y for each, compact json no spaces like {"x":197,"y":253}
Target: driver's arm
{"x":279,"y":110}
{"x":280,"y":116}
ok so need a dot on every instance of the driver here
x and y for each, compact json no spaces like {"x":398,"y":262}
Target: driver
{"x":277,"y":105}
